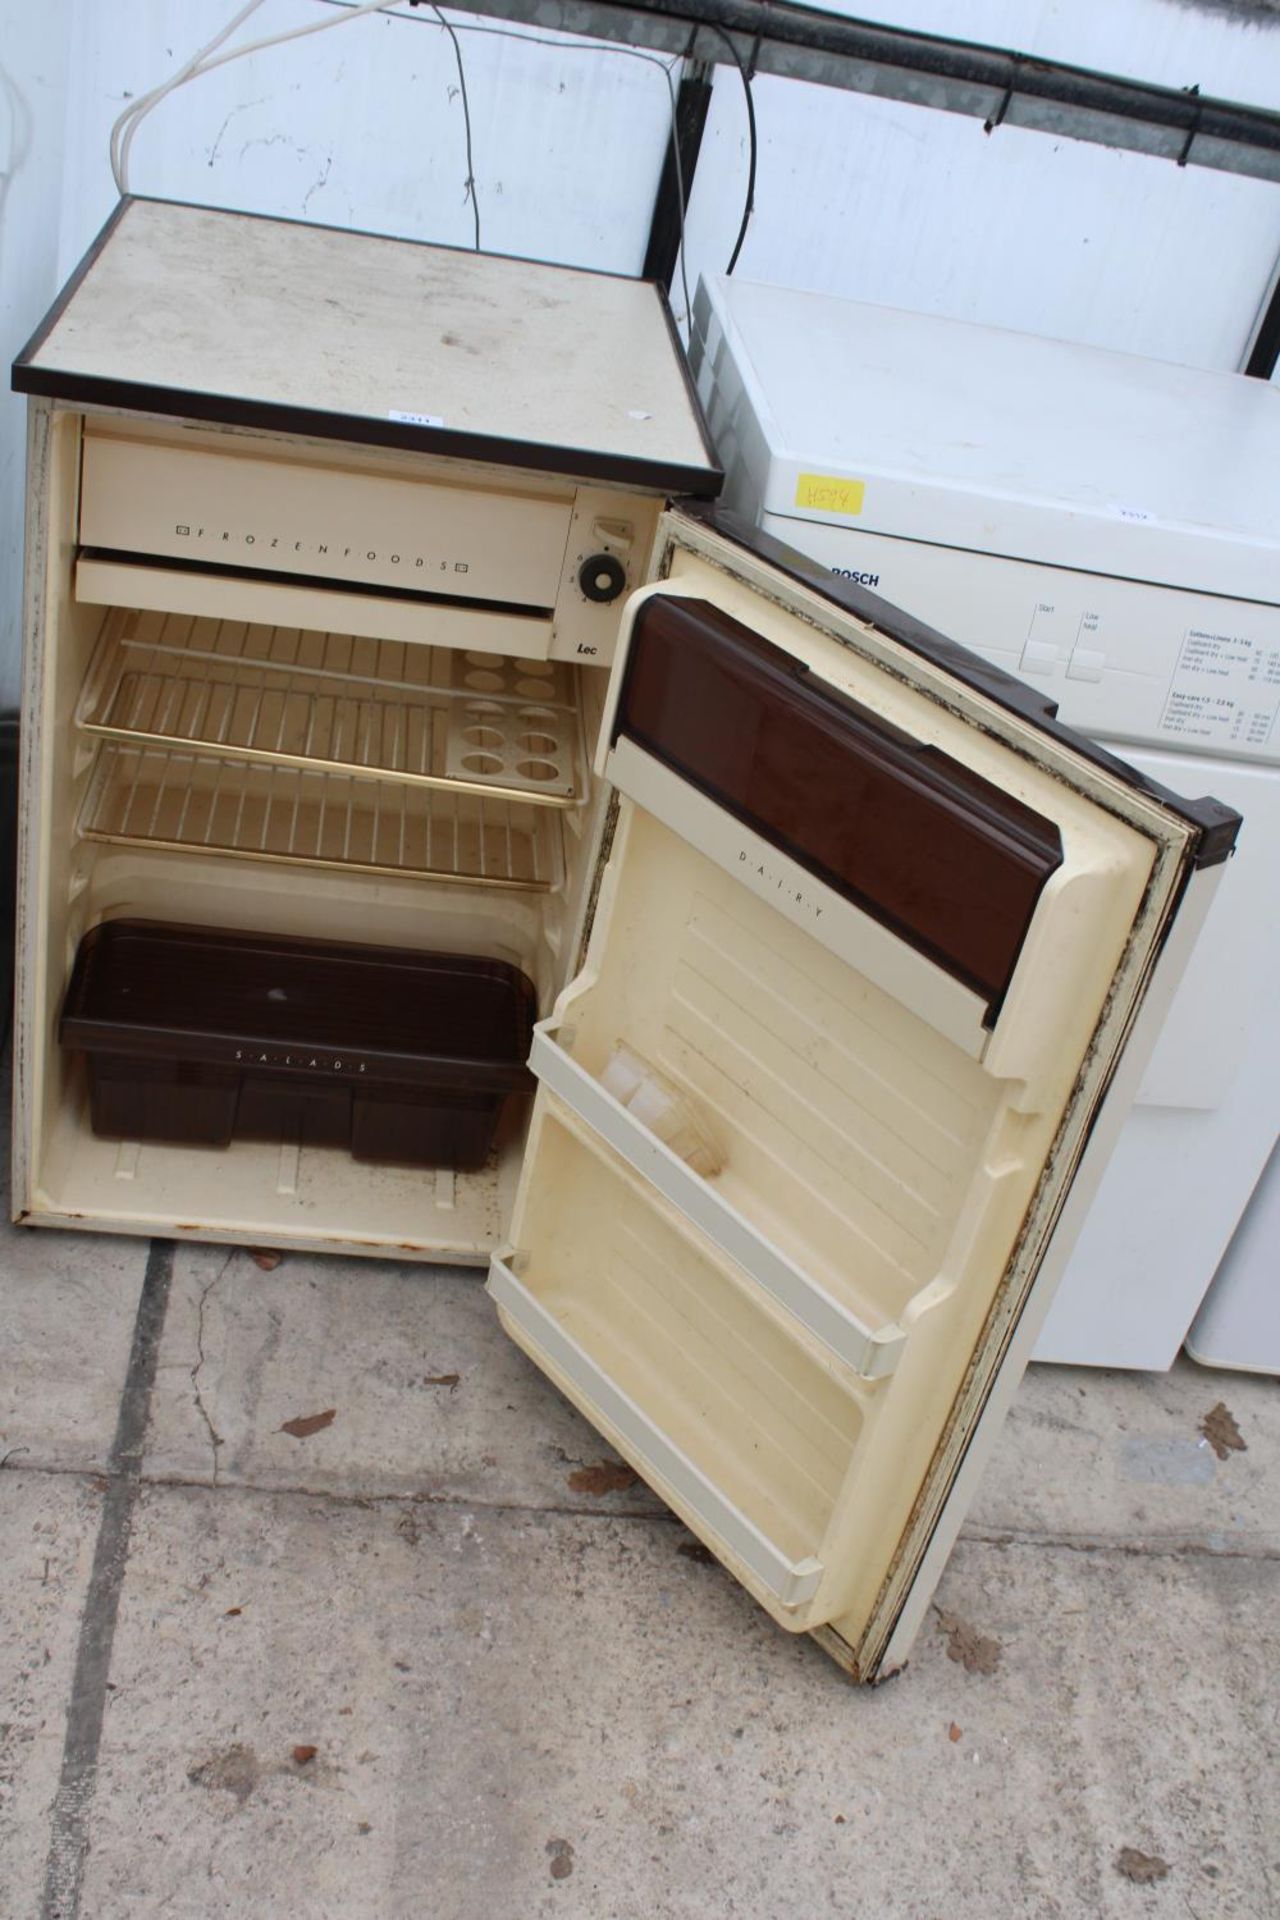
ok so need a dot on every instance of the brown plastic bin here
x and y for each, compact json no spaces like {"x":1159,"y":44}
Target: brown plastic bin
{"x":198,"y":1036}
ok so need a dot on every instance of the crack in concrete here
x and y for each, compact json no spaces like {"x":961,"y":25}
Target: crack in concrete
{"x":215,"y":1438}
{"x":77,"y":1780}
{"x":437,"y":1502}
{"x":1112,"y":1543}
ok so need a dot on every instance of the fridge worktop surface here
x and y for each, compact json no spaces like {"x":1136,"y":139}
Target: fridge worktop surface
{"x":252,"y":320}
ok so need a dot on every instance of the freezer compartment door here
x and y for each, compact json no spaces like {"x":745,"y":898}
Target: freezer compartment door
{"x":946,"y":860}
{"x":866,"y":947}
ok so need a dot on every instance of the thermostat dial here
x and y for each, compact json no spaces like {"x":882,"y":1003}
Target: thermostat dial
{"x":602,"y":576}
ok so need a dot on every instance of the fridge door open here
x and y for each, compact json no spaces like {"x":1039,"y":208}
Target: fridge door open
{"x":869,"y":936}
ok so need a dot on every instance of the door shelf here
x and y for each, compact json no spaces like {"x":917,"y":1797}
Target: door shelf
{"x":384,"y":709}
{"x":738,"y":1420}
{"x":871,"y":1351}
{"x":792,"y":1582}
{"x":196,"y":803}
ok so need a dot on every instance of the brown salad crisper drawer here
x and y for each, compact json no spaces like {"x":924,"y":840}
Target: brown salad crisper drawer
{"x":934,"y":851}
{"x":198,"y":1035}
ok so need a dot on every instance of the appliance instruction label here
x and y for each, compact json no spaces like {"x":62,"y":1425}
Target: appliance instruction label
{"x":1225,"y":689}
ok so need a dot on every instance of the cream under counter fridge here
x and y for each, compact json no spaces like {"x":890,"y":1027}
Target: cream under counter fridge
{"x":845,"y":953}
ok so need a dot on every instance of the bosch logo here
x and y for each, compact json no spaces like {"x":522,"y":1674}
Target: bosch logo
{"x":859,"y":579}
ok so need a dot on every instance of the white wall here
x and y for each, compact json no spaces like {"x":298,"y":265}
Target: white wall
{"x":34,"y":45}
{"x":922,"y":209}
{"x":362,"y":126}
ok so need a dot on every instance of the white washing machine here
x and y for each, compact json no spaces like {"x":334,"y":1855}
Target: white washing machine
{"x":1109,"y":528}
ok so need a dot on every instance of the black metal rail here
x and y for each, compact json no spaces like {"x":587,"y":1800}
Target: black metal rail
{"x":693,"y":101}
{"x":997,"y":86}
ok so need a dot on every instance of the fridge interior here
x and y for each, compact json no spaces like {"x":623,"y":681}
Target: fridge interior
{"x":238,"y":775}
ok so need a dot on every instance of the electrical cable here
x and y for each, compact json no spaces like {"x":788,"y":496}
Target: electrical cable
{"x":466,"y":121}
{"x":137,"y":110}
{"x":127,"y":124}
{"x":575,"y":45}
{"x":750,"y":205}
{"x":578,"y":45}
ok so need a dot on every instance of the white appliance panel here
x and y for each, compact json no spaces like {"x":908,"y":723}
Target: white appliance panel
{"x":1205,"y":1118}
{"x":1239,"y":1322}
{"x":1123,"y":659}
{"x":1105,"y":528}
{"x":928,"y":428}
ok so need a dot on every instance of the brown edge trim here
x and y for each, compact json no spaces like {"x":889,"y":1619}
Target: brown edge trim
{"x":71,"y":288}
{"x":667,"y":477}
{"x":574,"y":463}
{"x":396,"y":239}
{"x":1214,"y":824}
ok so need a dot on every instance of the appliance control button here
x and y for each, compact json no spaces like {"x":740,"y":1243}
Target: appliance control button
{"x":1086,"y":663}
{"x":1039,"y":657}
{"x":602,"y":576}
{"x":619,"y":533}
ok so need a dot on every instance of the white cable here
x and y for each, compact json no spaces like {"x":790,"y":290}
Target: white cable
{"x":138,"y":109}
{"x":346,"y":10}
{"x":136,"y":112}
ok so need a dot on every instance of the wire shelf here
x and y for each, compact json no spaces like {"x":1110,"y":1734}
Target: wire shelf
{"x":381,"y":709}
{"x":146,"y":796}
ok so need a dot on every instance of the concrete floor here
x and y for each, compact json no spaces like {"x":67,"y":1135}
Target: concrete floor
{"x":400,"y":1667}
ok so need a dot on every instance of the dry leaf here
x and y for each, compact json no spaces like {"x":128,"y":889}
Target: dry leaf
{"x":308,"y":1423}
{"x":303,"y":1756}
{"x":449,"y":1380}
{"x":975,"y":1652}
{"x":268,"y":1258}
{"x":561,"y":1859}
{"x":607,"y":1476}
{"x":954,"y":1732}
{"x":1142,"y":1867}
{"x":1220,"y":1430}
{"x":237,"y":1771}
